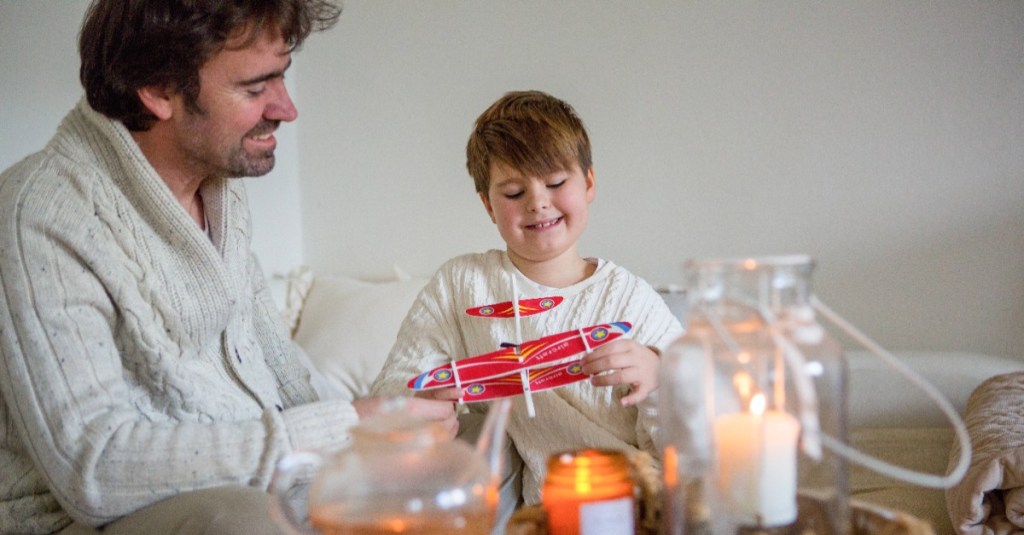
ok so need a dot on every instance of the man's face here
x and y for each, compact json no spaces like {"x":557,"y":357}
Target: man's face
{"x":242,"y":100}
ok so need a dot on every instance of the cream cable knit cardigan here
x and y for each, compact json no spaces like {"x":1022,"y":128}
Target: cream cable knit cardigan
{"x":140,"y":358}
{"x":570,"y":417}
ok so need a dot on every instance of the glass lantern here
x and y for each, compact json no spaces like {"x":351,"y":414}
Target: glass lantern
{"x":746,"y":396}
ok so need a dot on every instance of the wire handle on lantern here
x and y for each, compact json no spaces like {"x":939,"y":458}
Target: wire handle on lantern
{"x":878,"y":465}
{"x":813,"y":437}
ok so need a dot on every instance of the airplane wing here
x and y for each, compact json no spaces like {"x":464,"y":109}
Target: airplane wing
{"x":510,"y":385}
{"x":527,"y":307}
{"x":546,"y":350}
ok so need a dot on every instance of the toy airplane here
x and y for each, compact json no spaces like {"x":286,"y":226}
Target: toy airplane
{"x":538,"y":356}
{"x":539,"y":379}
{"x":527,"y":307}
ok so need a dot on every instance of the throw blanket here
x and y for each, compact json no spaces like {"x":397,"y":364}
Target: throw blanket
{"x":990,"y":498}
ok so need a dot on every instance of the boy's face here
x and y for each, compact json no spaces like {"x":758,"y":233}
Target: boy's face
{"x":541,"y":218}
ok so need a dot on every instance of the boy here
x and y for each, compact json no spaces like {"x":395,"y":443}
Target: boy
{"x":529,"y":156}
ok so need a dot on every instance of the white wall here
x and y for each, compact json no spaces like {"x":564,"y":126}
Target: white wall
{"x":885,"y":139}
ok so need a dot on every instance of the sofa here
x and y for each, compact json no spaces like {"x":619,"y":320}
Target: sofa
{"x":347,"y":326}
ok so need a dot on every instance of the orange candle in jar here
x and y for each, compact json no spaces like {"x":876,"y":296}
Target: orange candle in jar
{"x":589,"y":492}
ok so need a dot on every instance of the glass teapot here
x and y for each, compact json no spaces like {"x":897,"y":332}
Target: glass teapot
{"x":399,"y":474}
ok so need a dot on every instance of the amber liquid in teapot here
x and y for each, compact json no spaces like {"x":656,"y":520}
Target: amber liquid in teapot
{"x":333,"y":520}
{"x":400,"y":474}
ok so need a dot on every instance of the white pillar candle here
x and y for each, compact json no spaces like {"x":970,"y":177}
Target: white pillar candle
{"x":757,"y":465}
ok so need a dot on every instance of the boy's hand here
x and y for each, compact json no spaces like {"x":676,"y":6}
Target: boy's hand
{"x":629,"y":363}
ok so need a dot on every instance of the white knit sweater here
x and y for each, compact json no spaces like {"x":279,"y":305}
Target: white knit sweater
{"x":140,"y":357}
{"x":578,"y":415}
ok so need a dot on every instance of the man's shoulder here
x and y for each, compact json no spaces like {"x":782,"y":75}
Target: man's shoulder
{"x":50,"y":194}
{"x":66,"y":167}
{"x":26,"y":181}
{"x":45,"y":178}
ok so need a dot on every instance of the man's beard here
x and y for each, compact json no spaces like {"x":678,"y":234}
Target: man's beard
{"x":242,"y":164}
{"x":236,"y":162}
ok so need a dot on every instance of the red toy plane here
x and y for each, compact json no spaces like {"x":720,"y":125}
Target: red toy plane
{"x":539,"y":379}
{"x":540,"y":357}
{"x":527,"y":307}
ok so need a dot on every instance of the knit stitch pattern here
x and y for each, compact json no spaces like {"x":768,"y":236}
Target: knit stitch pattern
{"x":141,"y":357}
{"x":577,"y":415}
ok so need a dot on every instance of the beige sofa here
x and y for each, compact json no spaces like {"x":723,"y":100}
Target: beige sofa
{"x":347,"y":326}
{"x":892,"y":420}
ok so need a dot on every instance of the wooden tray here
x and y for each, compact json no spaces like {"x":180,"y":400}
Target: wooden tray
{"x":865,"y":519}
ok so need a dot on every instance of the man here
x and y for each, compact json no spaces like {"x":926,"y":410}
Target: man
{"x":147,"y":383}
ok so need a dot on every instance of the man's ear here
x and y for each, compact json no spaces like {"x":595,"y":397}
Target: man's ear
{"x":487,"y":206}
{"x":157,"y":100}
{"x":589,"y":178}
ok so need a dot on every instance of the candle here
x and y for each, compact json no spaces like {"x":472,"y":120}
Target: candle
{"x":757,"y":464}
{"x":589,"y":492}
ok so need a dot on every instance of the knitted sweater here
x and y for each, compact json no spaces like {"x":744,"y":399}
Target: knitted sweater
{"x":574,"y":416}
{"x":140,"y":356}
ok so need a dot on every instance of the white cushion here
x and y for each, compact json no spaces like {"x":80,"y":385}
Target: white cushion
{"x":881,"y":397}
{"x":347,"y":327}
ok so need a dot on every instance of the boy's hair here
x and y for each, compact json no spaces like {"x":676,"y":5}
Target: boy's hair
{"x":129,"y":44}
{"x":529,"y":131}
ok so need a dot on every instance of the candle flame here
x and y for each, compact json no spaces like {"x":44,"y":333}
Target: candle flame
{"x":583,"y":483}
{"x":743,"y":383}
{"x":671,"y":469}
{"x":396,"y":525}
{"x":757,"y":404}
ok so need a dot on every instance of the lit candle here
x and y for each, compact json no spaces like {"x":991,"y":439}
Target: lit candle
{"x":589,"y":492}
{"x":757,"y":464}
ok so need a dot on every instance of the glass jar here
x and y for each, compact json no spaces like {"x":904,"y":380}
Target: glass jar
{"x":745,"y":394}
{"x":589,"y":492}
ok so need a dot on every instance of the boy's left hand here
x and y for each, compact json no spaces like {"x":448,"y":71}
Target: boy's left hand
{"x":629,"y":363}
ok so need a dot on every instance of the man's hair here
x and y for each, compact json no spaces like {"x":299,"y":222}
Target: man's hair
{"x":126,"y":45}
{"x":529,"y":131}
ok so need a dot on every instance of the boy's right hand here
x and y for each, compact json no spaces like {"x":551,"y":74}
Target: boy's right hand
{"x":624,"y":362}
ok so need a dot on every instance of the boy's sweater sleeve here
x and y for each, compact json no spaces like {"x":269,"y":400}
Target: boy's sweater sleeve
{"x":426,"y":339}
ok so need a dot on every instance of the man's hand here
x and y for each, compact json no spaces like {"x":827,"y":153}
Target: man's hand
{"x":438,"y":410}
{"x":450,"y":394}
{"x":624,"y":362}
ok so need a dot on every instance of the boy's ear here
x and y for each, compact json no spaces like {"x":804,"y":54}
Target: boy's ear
{"x":590,"y":184}
{"x":157,"y":100}
{"x":487,"y":206}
